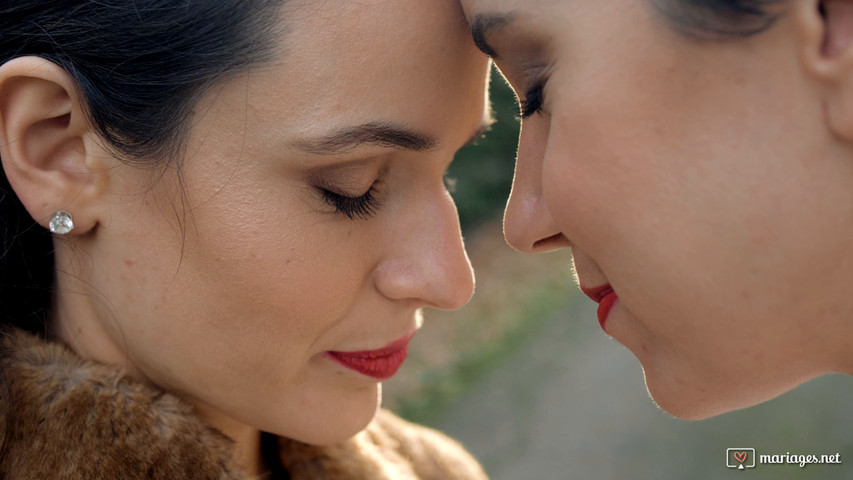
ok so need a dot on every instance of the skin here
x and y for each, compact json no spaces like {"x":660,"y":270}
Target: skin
{"x":708,"y":182}
{"x":228,"y":286}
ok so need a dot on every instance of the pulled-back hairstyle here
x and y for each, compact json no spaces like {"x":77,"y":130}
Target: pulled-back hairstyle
{"x":719,"y":19}
{"x":140,"y":65}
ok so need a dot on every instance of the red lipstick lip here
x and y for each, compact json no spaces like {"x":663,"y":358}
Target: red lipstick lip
{"x":605,"y":297}
{"x":597,"y":293}
{"x":380,"y":364}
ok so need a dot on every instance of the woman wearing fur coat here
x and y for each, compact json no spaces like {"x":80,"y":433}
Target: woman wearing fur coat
{"x":220,"y":221}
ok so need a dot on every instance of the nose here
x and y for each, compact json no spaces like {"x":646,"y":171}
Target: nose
{"x":528,"y":224}
{"x":426,"y":260}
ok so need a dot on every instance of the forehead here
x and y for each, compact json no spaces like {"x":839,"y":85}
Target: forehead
{"x":372,"y":55}
{"x":473,"y":7}
{"x":533,"y":18}
{"x":353,"y":25}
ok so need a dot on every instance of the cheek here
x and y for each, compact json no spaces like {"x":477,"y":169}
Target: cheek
{"x":689,"y":231}
{"x":278,"y":261}
{"x":255,"y":283}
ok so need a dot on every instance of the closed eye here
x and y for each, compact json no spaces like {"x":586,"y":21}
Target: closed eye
{"x":531,"y":104}
{"x":362,"y":207}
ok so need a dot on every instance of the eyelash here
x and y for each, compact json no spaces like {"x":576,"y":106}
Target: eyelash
{"x":531,"y":104}
{"x":362,"y":207}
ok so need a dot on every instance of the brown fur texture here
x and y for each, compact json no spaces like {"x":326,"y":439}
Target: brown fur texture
{"x":62,"y":417}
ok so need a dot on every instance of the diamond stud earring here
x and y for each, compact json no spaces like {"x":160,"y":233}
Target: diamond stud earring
{"x":61,"y":222}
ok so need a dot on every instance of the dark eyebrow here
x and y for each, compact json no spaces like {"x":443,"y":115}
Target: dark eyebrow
{"x":371,"y":133}
{"x":482,"y":23}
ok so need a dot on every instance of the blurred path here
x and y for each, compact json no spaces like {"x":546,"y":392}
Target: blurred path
{"x":572,"y":404}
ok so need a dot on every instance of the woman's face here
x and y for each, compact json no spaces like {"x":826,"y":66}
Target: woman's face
{"x":697,"y":179}
{"x":310,"y":216}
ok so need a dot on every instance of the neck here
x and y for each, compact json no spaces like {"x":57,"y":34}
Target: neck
{"x":75,"y":321}
{"x":246,"y":449}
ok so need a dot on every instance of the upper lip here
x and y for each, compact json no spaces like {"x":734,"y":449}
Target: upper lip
{"x":597,"y":293}
{"x":389,"y":349}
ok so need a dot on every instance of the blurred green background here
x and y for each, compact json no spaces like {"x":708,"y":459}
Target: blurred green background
{"x":482,"y":173}
{"x":524,"y":377}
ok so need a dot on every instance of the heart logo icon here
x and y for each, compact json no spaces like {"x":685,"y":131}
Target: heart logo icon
{"x":740,"y":456}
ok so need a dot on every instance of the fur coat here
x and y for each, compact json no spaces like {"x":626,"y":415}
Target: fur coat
{"x":65,"y":418}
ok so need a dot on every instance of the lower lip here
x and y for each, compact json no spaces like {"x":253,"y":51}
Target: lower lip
{"x":604,"y":307}
{"x":379,"y":364}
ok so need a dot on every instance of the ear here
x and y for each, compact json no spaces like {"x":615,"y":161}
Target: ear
{"x":46,"y":143}
{"x":826,"y":29}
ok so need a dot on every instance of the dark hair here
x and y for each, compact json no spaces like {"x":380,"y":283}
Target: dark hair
{"x":719,"y":19}
{"x":141,"y":66}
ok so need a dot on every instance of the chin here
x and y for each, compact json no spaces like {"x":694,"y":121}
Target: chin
{"x":337,"y":419}
{"x":685,"y":410}
{"x":692,"y":399}
{"x":698,"y":400}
